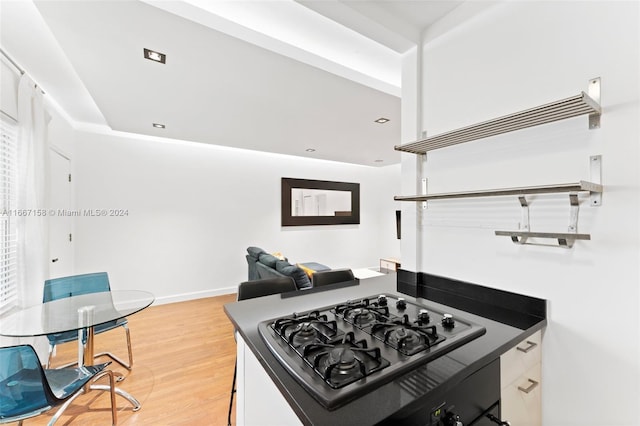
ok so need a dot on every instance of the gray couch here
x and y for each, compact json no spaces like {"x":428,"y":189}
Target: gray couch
{"x":264,"y":265}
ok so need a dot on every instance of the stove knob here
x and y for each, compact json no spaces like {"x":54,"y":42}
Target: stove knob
{"x":401,"y":304}
{"x":423,"y":316}
{"x":451,"y":419}
{"x":448,"y":321}
{"x":382,"y":300}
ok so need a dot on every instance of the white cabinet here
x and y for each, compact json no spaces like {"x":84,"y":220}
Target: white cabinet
{"x":259,"y":401}
{"x":389,"y":264}
{"x":521,"y":382}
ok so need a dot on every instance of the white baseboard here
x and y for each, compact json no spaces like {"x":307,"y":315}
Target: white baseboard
{"x":183,"y":297}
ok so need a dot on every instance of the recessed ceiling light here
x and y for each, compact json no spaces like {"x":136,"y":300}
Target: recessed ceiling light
{"x":155,"y":56}
{"x":158,"y":126}
{"x":310,"y":150}
{"x":381,"y":120}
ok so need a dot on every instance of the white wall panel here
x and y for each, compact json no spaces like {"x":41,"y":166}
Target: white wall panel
{"x":193,"y":209}
{"x":515,"y":56}
{"x":9,"y":79}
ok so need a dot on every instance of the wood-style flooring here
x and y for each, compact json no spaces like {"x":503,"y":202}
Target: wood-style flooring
{"x":183,"y":353}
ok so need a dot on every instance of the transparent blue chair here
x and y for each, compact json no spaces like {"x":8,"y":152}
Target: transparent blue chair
{"x":27,"y":390}
{"x":58,"y":288}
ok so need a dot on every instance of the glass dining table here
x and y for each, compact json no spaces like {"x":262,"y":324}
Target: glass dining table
{"x":81,"y":313}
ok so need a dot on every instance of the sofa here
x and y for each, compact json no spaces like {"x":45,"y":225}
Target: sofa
{"x":266,"y":265}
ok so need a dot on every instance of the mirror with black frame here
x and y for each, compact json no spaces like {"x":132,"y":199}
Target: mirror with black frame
{"x":319,"y":202}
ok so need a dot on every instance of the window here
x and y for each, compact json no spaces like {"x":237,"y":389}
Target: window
{"x":8,"y":231}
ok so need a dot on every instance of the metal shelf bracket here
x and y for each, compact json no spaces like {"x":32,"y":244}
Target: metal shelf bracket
{"x":565,"y":239}
{"x":524,"y":223}
{"x":594,"y":93}
{"x":595,"y":162}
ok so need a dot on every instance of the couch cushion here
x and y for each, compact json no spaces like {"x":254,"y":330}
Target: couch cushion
{"x":279,"y":256}
{"x":265,"y":271}
{"x":268,"y":259}
{"x":311,"y":268}
{"x":255,"y":252}
{"x":300,"y":277}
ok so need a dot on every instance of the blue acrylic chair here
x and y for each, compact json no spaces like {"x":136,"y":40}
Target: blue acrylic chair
{"x":58,"y":288}
{"x":27,"y":390}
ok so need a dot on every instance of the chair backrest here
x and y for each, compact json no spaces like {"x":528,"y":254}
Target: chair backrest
{"x":321,"y":278}
{"x":265,"y":287}
{"x":26,"y":389}
{"x":59,"y":288}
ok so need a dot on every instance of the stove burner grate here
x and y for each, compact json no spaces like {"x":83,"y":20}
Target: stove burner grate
{"x":343,"y":361}
{"x":337,"y":353}
{"x":406,"y":337}
{"x":299,"y":331}
{"x":362,"y":313}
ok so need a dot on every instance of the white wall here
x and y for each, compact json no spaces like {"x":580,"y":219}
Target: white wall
{"x":511,"y":57}
{"x":193,"y":209}
{"x":61,"y":134}
{"x":9,"y":78}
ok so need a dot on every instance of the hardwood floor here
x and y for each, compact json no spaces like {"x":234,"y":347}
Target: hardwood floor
{"x":183,"y":353}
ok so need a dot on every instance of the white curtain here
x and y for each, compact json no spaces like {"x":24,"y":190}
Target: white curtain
{"x":33,"y":164}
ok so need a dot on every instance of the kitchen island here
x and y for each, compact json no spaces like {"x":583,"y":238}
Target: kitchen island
{"x":422,"y":395}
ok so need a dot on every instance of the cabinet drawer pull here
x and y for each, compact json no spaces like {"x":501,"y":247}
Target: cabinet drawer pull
{"x":531,"y":387}
{"x":528,"y":348}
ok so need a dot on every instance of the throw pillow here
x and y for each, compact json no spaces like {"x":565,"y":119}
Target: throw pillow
{"x":281,"y":265}
{"x":279,"y":256}
{"x":307,"y":270}
{"x":268,"y":259}
{"x":255,"y":252}
{"x":299,"y":276}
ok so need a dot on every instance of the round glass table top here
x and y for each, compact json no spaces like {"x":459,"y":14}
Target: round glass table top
{"x":73,"y":313}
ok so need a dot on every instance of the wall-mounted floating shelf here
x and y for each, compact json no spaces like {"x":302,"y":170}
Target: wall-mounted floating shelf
{"x":581,"y":186}
{"x":566,"y":108}
{"x":565,"y":239}
{"x":522,"y":235}
{"x":560,"y":110}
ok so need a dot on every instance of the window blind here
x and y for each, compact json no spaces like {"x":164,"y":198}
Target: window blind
{"x":8,"y":230}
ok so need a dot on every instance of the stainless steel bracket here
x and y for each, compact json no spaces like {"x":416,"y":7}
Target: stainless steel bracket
{"x":524,"y":222}
{"x":595,"y":162}
{"x":423,"y":185}
{"x":423,"y":181}
{"x":573,"y":213}
{"x":565,"y":239}
{"x":594,"y":93}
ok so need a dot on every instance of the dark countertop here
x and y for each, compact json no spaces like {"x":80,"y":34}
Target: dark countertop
{"x":437,"y":376}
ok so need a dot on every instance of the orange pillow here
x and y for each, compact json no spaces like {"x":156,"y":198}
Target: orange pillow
{"x":279,"y":256}
{"x":309,"y":271}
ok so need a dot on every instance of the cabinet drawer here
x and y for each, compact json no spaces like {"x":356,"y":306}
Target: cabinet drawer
{"x":389,"y":265}
{"x":520,"y":358}
{"x":521,"y":401}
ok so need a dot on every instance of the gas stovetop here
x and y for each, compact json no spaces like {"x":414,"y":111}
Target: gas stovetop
{"x":340,"y":352}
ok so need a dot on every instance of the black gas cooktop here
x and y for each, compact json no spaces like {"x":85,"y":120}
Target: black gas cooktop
{"x":343,"y":351}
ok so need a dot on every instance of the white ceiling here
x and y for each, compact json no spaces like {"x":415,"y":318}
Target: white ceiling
{"x":278,"y":76}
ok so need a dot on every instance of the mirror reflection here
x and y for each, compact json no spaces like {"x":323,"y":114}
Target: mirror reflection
{"x":320,"y":202}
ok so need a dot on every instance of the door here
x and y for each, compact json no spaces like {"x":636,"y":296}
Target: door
{"x":60,"y":217}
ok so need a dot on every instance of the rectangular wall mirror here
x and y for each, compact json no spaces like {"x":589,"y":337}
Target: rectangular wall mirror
{"x":319,"y":202}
